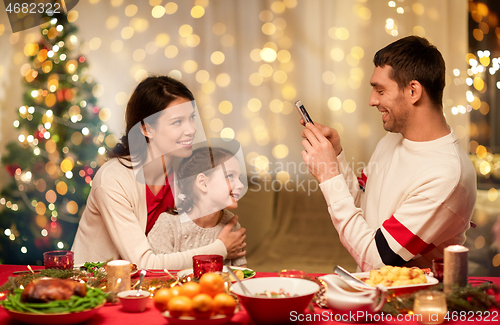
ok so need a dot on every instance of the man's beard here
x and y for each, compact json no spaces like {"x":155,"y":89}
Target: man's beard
{"x":397,"y":122}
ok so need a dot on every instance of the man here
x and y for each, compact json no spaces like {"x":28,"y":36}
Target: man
{"x":416,"y":195}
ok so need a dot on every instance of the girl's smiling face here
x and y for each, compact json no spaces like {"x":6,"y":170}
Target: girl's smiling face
{"x":225,"y":186}
{"x":172,"y":131}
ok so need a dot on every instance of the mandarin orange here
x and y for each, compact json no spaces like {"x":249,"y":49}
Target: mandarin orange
{"x":176,"y":290}
{"x":180,"y":306}
{"x":202,"y":305}
{"x":224,"y":304}
{"x":161,"y":298}
{"x":211,"y":284}
{"x":190,"y":289}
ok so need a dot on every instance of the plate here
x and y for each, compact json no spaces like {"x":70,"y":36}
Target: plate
{"x":185,"y":272}
{"x":54,"y":319}
{"x":399,"y":289}
{"x":80,"y":267}
{"x":214,"y":320}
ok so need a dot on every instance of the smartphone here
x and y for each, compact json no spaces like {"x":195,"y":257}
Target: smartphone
{"x":303,"y":112}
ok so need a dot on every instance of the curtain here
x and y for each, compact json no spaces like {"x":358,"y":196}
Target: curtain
{"x":317,"y":51}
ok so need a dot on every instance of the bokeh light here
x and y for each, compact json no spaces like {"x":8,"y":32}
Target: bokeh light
{"x":227,"y":133}
{"x":171,"y":51}
{"x":225,"y":107}
{"x":280,"y":151}
{"x":158,"y":11}
{"x":268,"y":54}
{"x":197,"y":12}
{"x":217,"y":57}
{"x":171,"y":8}
{"x":223,"y":80}
{"x":130,"y":10}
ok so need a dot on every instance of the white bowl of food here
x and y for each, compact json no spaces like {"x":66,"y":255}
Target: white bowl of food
{"x":273,"y":300}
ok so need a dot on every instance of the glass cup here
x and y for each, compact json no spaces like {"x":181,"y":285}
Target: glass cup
{"x":430,"y":307}
{"x":437,"y":268}
{"x":206,"y":263}
{"x":61,"y":259}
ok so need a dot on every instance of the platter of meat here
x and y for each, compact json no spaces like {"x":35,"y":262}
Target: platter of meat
{"x":54,"y":301}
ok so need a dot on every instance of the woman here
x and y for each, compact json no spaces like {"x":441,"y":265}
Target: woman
{"x":131,"y":189}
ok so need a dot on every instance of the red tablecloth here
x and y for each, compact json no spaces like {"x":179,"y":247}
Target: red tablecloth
{"x":113,"y":315}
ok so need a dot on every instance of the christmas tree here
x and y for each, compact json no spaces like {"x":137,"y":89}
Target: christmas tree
{"x":62,"y":141}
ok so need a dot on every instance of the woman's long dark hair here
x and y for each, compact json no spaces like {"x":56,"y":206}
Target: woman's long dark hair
{"x":151,"y":96}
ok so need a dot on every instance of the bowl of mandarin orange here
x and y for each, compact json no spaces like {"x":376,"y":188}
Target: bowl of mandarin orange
{"x":202,"y":302}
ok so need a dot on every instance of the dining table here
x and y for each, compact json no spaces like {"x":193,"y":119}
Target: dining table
{"x":113,"y":314}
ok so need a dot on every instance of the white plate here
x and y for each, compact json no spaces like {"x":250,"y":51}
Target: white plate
{"x":80,"y":265}
{"x":430,"y":282}
{"x":185,"y":272}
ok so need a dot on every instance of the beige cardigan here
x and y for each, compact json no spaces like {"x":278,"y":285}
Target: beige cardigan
{"x":114,"y":222}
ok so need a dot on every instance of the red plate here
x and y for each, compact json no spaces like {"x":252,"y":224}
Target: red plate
{"x":54,"y":319}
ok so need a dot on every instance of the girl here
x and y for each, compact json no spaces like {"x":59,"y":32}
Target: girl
{"x":131,"y":189}
{"x":208,"y":181}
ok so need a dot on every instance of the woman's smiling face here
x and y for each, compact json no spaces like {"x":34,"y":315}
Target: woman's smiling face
{"x":173,"y":131}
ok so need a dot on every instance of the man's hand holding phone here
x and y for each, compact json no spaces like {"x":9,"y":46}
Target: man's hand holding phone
{"x":330,"y":134}
{"x":320,"y":144}
{"x":319,"y":155}
{"x":303,"y":112}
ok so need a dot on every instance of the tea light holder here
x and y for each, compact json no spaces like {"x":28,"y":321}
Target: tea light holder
{"x":118,"y":276}
{"x":455,"y":266}
{"x":61,"y":259}
{"x":206,"y":263}
{"x":430,"y":307}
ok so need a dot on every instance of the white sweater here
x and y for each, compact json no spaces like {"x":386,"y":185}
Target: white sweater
{"x":418,"y":199}
{"x":114,"y":222}
{"x":177,"y":233}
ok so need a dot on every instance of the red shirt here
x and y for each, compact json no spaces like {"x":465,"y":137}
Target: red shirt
{"x":158,"y":203}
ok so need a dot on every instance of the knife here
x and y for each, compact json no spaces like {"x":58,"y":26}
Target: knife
{"x":347,"y":275}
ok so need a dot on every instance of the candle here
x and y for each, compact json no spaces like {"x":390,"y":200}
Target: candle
{"x":430,"y":307}
{"x":455,"y":266}
{"x":118,"y":276}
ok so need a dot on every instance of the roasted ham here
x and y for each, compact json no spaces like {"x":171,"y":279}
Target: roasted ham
{"x":48,"y":289}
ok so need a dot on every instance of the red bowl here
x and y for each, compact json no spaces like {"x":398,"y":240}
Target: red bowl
{"x":263,"y":310}
{"x":133,"y":303}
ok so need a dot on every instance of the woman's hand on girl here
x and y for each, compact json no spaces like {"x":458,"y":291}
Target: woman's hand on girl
{"x":233,"y":240}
